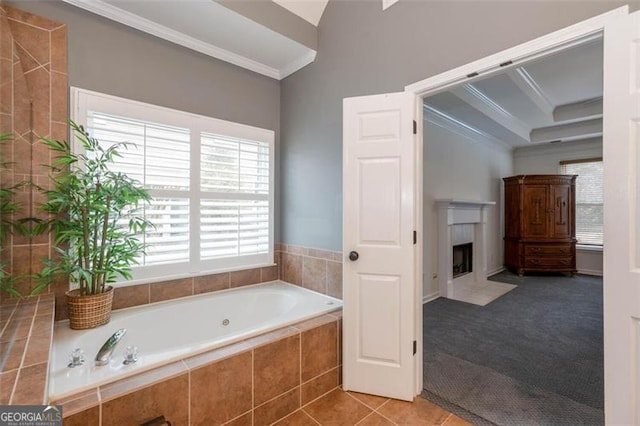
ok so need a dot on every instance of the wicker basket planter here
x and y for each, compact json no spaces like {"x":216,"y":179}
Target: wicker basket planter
{"x":89,"y":311}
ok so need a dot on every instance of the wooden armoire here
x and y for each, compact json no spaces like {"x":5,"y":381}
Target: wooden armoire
{"x":540,"y":227}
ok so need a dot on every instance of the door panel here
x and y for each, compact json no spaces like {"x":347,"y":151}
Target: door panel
{"x":379,"y":202}
{"x":379,"y":329}
{"x":561,"y":216}
{"x":378,"y":222}
{"x":621,"y":108}
{"x":536,"y":218}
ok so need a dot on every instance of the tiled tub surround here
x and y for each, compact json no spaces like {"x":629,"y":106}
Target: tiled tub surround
{"x":177,"y":329}
{"x":315,"y":269}
{"x":26,"y":330}
{"x":253,"y":382}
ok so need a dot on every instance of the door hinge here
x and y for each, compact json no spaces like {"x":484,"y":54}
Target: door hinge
{"x":415,"y":237}
{"x":415,"y":127}
{"x":415,"y":347}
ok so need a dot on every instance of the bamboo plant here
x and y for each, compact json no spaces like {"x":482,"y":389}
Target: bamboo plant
{"x":8,"y":207}
{"x":94,"y":215}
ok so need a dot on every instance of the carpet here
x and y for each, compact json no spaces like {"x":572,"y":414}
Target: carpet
{"x":532,"y":356}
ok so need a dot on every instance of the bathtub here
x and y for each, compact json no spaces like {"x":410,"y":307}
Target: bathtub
{"x":173,"y":330}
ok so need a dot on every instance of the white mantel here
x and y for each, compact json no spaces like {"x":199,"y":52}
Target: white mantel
{"x":458,"y":212}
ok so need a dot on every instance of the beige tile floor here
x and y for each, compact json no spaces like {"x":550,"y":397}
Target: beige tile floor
{"x":340,"y":408}
{"x":480,"y":293}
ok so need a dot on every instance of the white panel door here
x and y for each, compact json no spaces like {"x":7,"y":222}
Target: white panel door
{"x":622,"y":220}
{"x":379,"y":286}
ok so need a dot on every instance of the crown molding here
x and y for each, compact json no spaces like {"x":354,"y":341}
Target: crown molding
{"x":114,"y":13}
{"x":590,"y":147}
{"x":446,"y":121}
{"x":530,"y":87}
{"x":490,"y":108}
{"x":298,"y":64}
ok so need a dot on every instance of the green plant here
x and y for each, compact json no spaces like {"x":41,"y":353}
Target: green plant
{"x":8,"y":207}
{"x":94,"y":215}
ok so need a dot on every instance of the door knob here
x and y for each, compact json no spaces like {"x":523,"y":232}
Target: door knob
{"x":353,"y":256}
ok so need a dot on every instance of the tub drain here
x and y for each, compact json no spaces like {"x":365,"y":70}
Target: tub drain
{"x":225,"y":322}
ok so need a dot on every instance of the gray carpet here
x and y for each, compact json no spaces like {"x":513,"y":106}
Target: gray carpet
{"x":533,"y":356}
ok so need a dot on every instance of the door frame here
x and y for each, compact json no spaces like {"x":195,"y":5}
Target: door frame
{"x":540,"y":47}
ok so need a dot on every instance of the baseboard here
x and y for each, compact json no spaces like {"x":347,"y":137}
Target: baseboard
{"x":590,"y":272}
{"x":495,"y":271}
{"x":430,"y":297}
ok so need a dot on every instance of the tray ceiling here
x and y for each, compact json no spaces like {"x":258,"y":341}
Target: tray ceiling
{"x":558,"y":98}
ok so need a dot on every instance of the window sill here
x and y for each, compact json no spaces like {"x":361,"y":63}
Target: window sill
{"x":188,"y":275}
{"x":580,"y":247}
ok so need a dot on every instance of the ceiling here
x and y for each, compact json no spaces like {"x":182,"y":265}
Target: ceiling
{"x":215,"y":30}
{"x":558,"y":98}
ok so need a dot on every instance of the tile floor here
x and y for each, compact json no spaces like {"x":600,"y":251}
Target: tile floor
{"x":480,"y":293}
{"x":339,"y":408}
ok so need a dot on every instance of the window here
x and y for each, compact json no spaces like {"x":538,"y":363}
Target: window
{"x":589,"y":198}
{"x":211,"y":182}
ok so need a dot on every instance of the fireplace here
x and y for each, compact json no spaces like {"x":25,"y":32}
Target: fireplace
{"x":462,"y":259}
{"x":461,"y":243}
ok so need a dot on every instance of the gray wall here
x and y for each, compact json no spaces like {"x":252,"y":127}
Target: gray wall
{"x":363,"y":50}
{"x":111,"y":58}
{"x":465,"y":169}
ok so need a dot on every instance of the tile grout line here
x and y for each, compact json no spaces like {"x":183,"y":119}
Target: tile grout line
{"x":310,"y":416}
{"x":381,"y":414}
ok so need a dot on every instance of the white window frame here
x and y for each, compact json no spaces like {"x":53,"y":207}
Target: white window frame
{"x":579,"y":245}
{"x":83,"y":100}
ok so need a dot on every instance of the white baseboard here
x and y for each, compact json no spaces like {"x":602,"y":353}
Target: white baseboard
{"x":590,"y":272}
{"x":495,"y":271}
{"x":429,"y":297}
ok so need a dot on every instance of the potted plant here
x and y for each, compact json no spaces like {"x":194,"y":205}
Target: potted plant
{"x":95,"y":218}
{"x":8,"y":208}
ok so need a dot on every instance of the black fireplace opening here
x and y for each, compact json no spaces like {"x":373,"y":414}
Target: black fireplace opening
{"x":462,"y":259}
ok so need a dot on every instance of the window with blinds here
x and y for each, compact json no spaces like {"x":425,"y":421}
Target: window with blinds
{"x":211,"y":183}
{"x":589,"y":199}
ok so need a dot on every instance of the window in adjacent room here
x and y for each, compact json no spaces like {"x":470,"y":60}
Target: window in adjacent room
{"x":589,"y":199}
{"x":211,"y":182}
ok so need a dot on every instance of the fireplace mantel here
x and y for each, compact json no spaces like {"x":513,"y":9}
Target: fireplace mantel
{"x":453,"y":212}
{"x":453,"y":202}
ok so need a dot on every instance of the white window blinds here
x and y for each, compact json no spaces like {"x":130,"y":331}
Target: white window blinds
{"x":234,"y":212}
{"x":589,"y":199}
{"x":211,"y":183}
{"x":157,"y":156}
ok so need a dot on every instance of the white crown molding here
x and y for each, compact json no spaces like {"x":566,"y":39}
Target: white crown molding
{"x":114,"y":13}
{"x":298,"y":64}
{"x":591,"y":147}
{"x":578,"y":111}
{"x":530,"y":87}
{"x":487,"y":106}
{"x":441,"y":119}
{"x":569,"y":131}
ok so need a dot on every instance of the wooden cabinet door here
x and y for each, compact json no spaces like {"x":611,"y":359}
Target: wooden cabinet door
{"x":535,"y":215}
{"x":560,"y":208}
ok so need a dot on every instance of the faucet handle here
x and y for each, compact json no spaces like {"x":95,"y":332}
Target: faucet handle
{"x":130,"y":355}
{"x":76,"y":358}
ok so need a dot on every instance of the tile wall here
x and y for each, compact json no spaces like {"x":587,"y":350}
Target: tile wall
{"x":33,"y":104}
{"x":315,"y":269}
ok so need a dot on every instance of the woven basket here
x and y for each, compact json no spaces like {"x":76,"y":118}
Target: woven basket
{"x":89,"y":311}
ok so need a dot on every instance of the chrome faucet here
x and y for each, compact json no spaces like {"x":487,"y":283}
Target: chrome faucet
{"x":104,"y":354}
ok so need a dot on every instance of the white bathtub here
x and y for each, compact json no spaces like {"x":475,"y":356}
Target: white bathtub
{"x":176,"y":329}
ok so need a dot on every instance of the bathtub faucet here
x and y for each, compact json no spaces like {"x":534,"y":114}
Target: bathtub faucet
{"x":104,"y":354}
